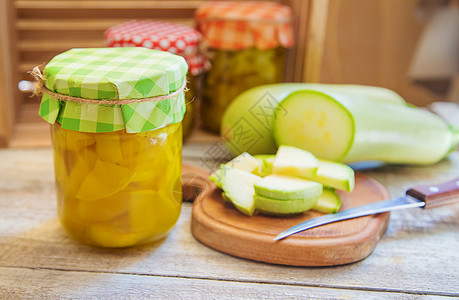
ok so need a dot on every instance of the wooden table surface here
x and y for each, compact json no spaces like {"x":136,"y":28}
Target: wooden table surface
{"x":417,"y":257}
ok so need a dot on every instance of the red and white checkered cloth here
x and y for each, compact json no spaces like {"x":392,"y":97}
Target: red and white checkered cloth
{"x":175,"y":38}
{"x":229,"y":25}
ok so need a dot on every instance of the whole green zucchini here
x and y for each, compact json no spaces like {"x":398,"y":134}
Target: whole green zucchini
{"x":342,"y":123}
{"x":246,"y":124}
{"x":349,"y":128}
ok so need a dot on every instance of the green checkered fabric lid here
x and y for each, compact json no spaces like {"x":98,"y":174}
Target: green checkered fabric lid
{"x":115,"y":74}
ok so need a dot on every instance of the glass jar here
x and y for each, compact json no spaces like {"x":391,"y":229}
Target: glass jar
{"x":232,"y":73}
{"x":246,"y":43}
{"x":118,"y":189}
{"x":116,"y":127}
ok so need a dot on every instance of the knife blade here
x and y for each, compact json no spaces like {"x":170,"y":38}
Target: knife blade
{"x":427,"y":196}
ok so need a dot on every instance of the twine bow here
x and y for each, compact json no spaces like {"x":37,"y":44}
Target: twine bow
{"x":40,"y":89}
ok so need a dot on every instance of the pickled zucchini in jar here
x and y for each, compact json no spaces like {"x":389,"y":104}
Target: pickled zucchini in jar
{"x":118,"y":189}
{"x":116,"y":127}
{"x":232,"y":73}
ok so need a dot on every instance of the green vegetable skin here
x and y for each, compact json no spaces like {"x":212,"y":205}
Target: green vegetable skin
{"x":349,"y":128}
{"x":280,"y":194}
{"x":328,"y":203}
{"x":283,"y":187}
{"x":252,"y":113}
{"x":266,"y":164}
{"x":387,"y":130}
{"x":238,"y":188}
{"x":269,"y":206}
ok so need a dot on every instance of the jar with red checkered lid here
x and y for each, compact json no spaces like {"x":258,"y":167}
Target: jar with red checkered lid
{"x":174,"y":38}
{"x":246,"y":42}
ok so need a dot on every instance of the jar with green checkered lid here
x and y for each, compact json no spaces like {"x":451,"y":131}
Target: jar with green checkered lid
{"x":115,"y":116}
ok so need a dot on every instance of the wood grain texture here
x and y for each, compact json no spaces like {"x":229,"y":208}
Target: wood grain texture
{"x":295,"y":62}
{"x":29,"y":283}
{"x":316,"y":37}
{"x":47,"y":27}
{"x":360,"y":42}
{"x":8,"y":60}
{"x":372,"y":42}
{"x":402,"y":263}
{"x":436,"y":194}
{"x":44,"y":28}
{"x":219,"y":225}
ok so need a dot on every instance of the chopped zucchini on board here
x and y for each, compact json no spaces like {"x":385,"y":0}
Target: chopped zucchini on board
{"x":238,"y":187}
{"x":280,"y":195}
{"x":278,"y":207}
{"x":294,"y":161}
{"x":244,"y":162}
{"x":266,"y":162}
{"x":335,"y":175}
{"x":287,"y":187}
{"x":328,"y":203}
{"x":215,"y":177}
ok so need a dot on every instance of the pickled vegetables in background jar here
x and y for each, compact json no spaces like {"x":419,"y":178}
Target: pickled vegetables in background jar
{"x":175,"y":38}
{"x":117,"y":139}
{"x":246,"y":42}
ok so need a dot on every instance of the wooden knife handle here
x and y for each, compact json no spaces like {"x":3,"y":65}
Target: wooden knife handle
{"x":436,"y":194}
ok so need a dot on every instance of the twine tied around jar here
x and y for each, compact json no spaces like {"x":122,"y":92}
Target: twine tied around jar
{"x":40,"y":89}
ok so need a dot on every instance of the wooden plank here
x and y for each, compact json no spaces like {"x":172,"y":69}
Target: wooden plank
{"x":26,"y":67}
{"x":107,"y":13}
{"x":317,"y":25}
{"x":295,"y":57}
{"x":9,"y":97}
{"x":372,"y":43}
{"x":42,"y":283}
{"x":31,"y":134}
{"x":81,"y":25}
{"x":91,"y":4}
{"x":31,"y":237}
{"x":58,"y":45}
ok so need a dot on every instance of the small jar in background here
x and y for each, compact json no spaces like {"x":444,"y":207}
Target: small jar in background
{"x":174,"y":38}
{"x":117,"y":166}
{"x":246,"y":42}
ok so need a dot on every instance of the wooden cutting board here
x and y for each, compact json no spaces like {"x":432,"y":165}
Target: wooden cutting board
{"x":220,"y":226}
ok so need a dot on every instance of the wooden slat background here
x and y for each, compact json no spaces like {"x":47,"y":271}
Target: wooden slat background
{"x":372,"y":42}
{"x":48,"y":27}
{"x":8,"y":77}
{"x":44,"y":28}
{"x":337,"y":41}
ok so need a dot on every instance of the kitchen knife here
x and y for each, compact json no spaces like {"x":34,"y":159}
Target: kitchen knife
{"x":426,"y":196}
